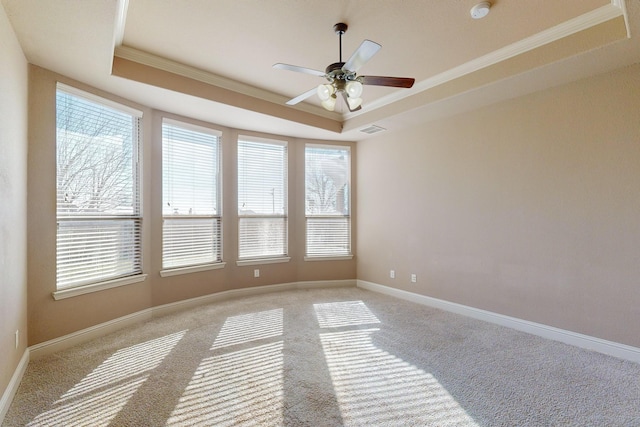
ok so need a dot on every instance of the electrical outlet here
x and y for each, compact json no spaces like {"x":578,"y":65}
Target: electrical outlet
{"x":256,"y":272}
{"x":392,"y":274}
{"x":414,"y":278}
{"x":17,"y":338}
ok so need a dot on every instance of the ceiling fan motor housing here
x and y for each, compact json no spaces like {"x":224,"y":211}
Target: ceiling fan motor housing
{"x":335,"y":72}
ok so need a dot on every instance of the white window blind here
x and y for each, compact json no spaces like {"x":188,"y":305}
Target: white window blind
{"x":262,"y":198}
{"x":98,"y":203}
{"x":327,"y":200}
{"x":190,"y":195}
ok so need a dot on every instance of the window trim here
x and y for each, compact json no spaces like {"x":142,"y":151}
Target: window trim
{"x":328,"y":257}
{"x":260,"y":261}
{"x":216,"y":264}
{"x":95,"y":287}
{"x":168,"y":272}
{"x":263,"y":259}
{"x":98,"y":99}
{"x":111,"y":282}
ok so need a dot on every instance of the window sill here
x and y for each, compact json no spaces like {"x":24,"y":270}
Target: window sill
{"x":258,"y":261}
{"x":329,"y":258}
{"x":87,"y":289}
{"x":193,"y":269}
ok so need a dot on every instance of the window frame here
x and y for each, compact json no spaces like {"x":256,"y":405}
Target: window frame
{"x":347,"y":255}
{"x":264,"y":258}
{"x":217,"y":262}
{"x":80,"y":284}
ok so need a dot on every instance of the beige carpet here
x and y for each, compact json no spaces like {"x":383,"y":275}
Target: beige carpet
{"x":326,"y":357}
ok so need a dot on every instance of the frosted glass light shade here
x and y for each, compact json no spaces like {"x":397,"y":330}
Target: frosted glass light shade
{"x":354,"y":89}
{"x":325,"y":91}
{"x":329,"y":103}
{"x":354,"y":103}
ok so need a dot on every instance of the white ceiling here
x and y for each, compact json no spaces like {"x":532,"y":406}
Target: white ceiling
{"x":229,"y":46}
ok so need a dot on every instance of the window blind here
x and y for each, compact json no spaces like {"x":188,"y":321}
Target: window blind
{"x":327,"y":200}
{"x":262,"y":198}
{"x":98,"y":198}
{"x":191,"y":195}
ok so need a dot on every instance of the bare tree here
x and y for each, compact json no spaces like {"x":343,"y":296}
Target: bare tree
{"x":326,"y":184}
{"x":94,"y":158}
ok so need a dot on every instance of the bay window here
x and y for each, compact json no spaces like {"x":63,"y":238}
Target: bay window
{"x":327,"y":201}
{"x":191,"y":220}
{"x":262,"y":199}
{"x":98,"y":191}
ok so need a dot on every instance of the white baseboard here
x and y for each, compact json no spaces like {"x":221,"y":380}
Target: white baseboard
{"x":573,"y":338}
{"x":12,"y":388}
{"x":584,"y":341}
{"x":610,"y":348}
{"x":84,"y":335}
{"x":245,"y":292}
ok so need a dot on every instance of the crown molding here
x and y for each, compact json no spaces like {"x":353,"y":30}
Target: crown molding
{"x":622,"y":5}
{"x":597,"y":16}
{"x":155,"y":61}
{"x":120,"y":23}
{"x":585,"y":21}
{"x":118,"y":26}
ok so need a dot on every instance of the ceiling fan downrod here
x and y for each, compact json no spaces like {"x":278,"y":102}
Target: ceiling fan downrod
{"x":335,"y":72}
{"x":340,"y":28}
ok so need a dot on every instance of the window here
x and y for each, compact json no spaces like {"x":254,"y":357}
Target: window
{"x":262,"y":198}
{"x":190,"y":195}
{"x":327,"y":200}
{"x":98,"y":197}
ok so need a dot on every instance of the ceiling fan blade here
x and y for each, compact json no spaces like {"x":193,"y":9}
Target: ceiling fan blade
{"x":404,"y":82}
{"x":302,"y":97}
{"x":360,"y":57}
{"x":299,"y":69}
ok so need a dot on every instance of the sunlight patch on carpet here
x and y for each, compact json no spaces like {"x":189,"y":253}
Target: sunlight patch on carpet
{"x":241,"y":387}
{"x":345,"y":313}
{"x":250,"y":327}
{"x":374,"y":387}
{"x":99,"y":396}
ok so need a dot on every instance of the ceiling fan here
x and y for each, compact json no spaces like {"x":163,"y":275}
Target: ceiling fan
{"x":342,"y":76}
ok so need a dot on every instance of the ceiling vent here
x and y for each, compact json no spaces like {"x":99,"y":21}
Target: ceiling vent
{"x":372,"y":129}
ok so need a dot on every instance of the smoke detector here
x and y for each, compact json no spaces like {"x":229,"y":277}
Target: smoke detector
{"x":480,"y":10}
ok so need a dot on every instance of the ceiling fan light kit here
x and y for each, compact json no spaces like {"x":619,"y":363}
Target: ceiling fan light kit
{"x":343,"y":78}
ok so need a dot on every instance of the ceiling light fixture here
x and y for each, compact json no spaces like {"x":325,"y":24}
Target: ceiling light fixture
{"x":340,"y":80}
{"x":480,"y":10}
{"x":342,"y":77}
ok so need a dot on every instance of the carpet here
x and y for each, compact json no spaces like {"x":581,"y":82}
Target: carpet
{"x":325,"y":357}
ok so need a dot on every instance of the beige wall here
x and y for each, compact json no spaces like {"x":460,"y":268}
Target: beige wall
{"x":529,"y":208}
{"x":13,"y":194}
{"x":50,"y":319}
